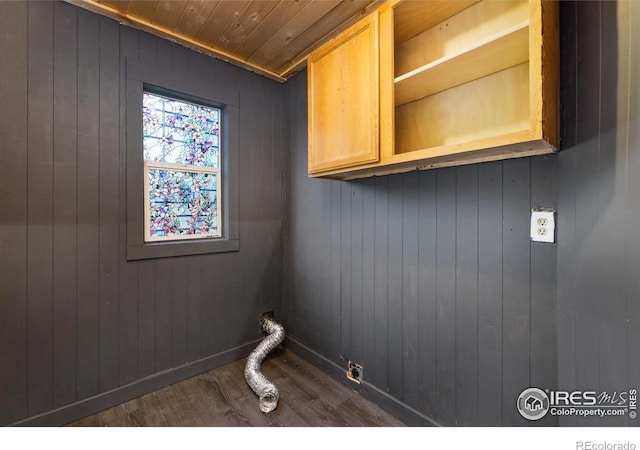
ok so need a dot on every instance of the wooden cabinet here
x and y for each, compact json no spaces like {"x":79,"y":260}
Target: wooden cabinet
{"x":344,"y":100}
{"x":459,"y":82}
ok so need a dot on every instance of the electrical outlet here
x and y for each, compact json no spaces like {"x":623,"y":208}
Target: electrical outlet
{"x":543,"y":227}
{"x":354,"y":372}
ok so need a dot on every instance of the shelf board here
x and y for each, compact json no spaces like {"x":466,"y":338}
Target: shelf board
{"x":498,"y":52}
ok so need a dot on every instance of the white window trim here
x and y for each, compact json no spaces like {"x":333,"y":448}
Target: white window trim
{"x":186,"y":168}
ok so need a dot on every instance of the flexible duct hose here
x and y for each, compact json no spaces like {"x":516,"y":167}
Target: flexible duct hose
{"x":264,"y":388}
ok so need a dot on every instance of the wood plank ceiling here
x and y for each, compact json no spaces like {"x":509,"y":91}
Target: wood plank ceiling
{"x":270,"y":37}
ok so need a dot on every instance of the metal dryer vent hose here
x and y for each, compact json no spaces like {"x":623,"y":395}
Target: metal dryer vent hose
{"x":264,"y":388}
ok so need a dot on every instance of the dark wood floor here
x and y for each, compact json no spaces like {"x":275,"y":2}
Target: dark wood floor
{"x":222,"y":398}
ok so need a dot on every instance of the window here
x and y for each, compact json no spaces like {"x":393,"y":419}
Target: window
{"x":181,"y":145}
{"x":182,"y":140}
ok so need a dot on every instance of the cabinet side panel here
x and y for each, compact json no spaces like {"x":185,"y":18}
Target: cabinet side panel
{"x":544,"y":57}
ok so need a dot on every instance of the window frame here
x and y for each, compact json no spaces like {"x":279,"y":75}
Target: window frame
{"x":151,"y":165}
{"x":140,"y":78}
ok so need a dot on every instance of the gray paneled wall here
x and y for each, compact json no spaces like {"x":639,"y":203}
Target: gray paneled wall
{"x":77,"y":319}
{"x":598,"y":189}
{"x":428,"y":279}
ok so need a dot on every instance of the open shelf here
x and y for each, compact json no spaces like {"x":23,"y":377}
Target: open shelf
{"x":494,"y":105}
{"x":505,"y":49}
{"x":462,"y":81}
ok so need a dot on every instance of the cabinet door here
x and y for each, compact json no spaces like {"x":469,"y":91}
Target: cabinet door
{"x":344,"y":99}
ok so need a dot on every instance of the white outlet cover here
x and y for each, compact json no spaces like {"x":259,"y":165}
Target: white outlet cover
{"x":543,"y":226}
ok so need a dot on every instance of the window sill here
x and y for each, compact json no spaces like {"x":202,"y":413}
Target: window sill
{"x":181,"y":248}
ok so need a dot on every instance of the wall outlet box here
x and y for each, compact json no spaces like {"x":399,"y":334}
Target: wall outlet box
{"x":354,"y":372}
{"x":543,"y":225}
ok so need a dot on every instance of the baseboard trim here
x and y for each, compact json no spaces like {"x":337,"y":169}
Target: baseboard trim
{"x":105,"y":400}
{"x":393,"y":406}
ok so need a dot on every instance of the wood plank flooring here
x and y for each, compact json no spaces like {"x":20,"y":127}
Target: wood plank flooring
{"x":222,"y":398}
